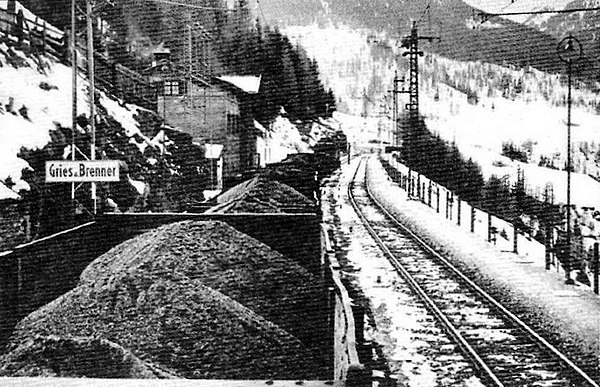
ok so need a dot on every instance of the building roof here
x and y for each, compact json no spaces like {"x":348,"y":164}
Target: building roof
{"x":213,"y":151}
{"x":247,"y":83}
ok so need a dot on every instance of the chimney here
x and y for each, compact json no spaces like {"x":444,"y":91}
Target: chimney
{"x":160,"y":54}
{"x":11,"y":7}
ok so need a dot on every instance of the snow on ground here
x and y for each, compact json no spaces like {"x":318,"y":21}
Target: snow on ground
{"x":358,"y":129}
{"x":529,"y":248}
{"x":45,"y":109}
{"x":353,"y":67}
{"x":345,"y":62}
{"x":495,"y":6}
{"x":479,"y":131}
{"x":417,"y":351}
{"x":281,"y":139}
{"x":570,"y":312}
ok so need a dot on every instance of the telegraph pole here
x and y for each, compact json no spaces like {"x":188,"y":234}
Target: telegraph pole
{"x":569,"y":51}
{"x":92,"y":96}
{"x":74,"y":92}
{"x":411,"y":42}
{"x":395,"y":92}
{"x":88,"y":13}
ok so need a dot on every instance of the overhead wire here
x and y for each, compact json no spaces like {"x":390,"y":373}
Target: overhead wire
{"x":264,"y":20}
{"x":190,"y":5}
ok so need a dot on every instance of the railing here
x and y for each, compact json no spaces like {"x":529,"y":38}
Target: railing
{"x":26,"y":29}
{"x":125,"y":83}
{"x":507,"y":237}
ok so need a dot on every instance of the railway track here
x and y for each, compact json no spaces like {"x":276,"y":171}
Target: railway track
{"x":504,"y":350}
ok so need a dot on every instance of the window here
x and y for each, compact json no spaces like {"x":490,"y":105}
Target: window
{"x":174,"y":87}
{"x":233,"y":123}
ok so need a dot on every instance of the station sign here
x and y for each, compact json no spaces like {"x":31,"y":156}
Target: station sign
{"x":64,"y":171}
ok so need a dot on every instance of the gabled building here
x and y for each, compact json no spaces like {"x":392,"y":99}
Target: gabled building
{"x":213,"y":112}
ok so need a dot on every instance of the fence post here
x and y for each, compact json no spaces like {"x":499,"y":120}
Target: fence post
{"x":20,"y":27}
{"x":516,"y":240}
{"x":459,"y":203}
{"x":447,"y":199}
{"x":472,"y":219}
{"x":438,"y":199}
{"x":358,"y":376}
{"x":489,"y":227}
{"x":44,"y":32}
{"x":429,"y":201}
{"x":596,"y":267}
{"x":419,"y":186}
{"x":450,"y":204}
{"x":548,"y":245}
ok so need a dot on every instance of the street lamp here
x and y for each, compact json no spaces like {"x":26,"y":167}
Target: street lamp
{"x":569,"y":51}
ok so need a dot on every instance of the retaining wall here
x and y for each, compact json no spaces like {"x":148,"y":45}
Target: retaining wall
{"x":346,"y":368}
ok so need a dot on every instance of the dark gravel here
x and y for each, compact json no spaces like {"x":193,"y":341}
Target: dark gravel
{"x":55,"y":356}
{"x":195,"y":298}
{"x":261,"y":195}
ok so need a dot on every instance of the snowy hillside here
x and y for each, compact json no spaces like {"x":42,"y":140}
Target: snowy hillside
{"x":281,"y":139}
{"x":35,"y":97}
{"x":479,"y":106}
{"x":494,"y":6}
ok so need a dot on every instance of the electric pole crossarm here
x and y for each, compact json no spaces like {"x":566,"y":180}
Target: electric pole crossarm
{"x":411,"y":43}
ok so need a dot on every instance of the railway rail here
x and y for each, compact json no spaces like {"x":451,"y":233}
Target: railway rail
{"x":503,"y":348}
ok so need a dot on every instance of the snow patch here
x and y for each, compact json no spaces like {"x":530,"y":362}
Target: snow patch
{"x":139,"y":186}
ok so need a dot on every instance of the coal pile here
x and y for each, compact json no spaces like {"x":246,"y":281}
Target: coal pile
{"x":226,"y":260}
{"x":55,"y":356}
{"x":198,"y":299}
{"x":262,"y":195}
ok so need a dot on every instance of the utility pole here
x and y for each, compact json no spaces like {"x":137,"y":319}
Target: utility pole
{"x":88,"y":14}
{"x":92,"y":96}
{"x":73,"y":93}
{"x":395,"y":92}
{"x":411,"y":43}
{"x":569,"y":51}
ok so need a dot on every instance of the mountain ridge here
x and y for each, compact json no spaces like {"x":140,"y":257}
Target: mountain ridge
{"x":455,"y":21}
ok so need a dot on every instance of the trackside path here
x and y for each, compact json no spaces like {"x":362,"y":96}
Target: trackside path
{"x":570,"y":315}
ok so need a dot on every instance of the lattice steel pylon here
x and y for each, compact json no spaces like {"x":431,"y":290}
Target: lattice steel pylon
{"x":411,"y":42}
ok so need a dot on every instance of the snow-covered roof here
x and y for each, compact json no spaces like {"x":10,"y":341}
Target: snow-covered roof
{"x":247,"y":83}
{"x":213,"y":151}
{"x":258,"y":125}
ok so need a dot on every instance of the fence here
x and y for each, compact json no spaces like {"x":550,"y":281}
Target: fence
{"x":126,"y":84}
{"x":502,"y":234}
{"x":27,"y":30}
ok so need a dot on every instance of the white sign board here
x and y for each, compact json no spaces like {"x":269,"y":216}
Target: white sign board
{"x":63,"y":171}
